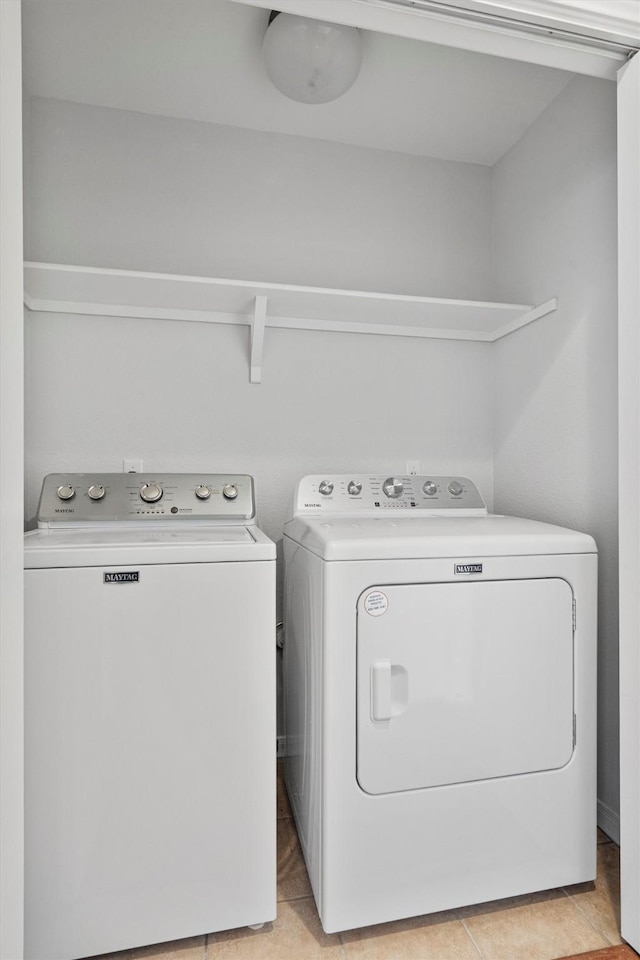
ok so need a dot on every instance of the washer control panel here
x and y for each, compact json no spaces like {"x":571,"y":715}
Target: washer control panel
{"x":355,"y":493}
{"x":91,"y":497}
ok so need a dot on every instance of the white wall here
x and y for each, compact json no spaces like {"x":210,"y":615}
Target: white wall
{"x":556,"y":380}
{"x":120,"y":189}
{"x":111,"y":188}
{"x":177,"y":396}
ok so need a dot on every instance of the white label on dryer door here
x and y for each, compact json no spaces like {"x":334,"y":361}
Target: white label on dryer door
{"x":376,"y":603}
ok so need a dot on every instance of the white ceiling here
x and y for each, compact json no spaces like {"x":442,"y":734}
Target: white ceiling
{"x":201,"y":60}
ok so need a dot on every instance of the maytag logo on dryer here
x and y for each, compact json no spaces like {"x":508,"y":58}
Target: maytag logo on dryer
{"x":127,"y":576}
{"x":467,"y":568}
{"x":314,"y":505}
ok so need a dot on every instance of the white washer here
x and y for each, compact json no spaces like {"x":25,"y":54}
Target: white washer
{"x":150,"y":712}
{"x":440,"y":698}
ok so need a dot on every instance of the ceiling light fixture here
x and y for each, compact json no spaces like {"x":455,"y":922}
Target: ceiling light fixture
{"x":309,"y":60}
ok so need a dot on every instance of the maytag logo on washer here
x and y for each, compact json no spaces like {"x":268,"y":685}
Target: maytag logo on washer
{"x":124,"y":577}
{"x":467,"y":568}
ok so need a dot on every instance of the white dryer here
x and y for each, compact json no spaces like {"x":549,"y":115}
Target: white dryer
{"x":440,"y":697}
{"x":150,"y":806}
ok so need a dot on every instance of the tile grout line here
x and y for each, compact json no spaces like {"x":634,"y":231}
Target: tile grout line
{"x":471,"y":937}
{"x":587,"y":918}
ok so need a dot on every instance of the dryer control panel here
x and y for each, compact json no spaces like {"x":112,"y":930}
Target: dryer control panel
{"x":142,"y":497}
{"x":357,"y":493}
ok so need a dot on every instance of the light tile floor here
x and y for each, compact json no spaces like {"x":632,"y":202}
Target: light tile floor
{"x":542,"y":926}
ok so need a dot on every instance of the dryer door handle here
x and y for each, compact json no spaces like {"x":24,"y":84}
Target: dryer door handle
{"x":381,"y":690}
{"x":389,"y":690}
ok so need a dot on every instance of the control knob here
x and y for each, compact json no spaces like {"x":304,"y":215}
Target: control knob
{"x":392,"y":487}
{"x":430,"y":488}
{"x":354,"y":488}
{"x":455,"y":488}
{"x":151,"y":492}
{"x":96,"y":491}
{"x":326,"y":488}
{"x":66,"y":492}
{"x":203,"y":492}
{"x":230,"y":491}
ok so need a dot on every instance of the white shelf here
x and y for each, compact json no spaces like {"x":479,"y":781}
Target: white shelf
{"x":59,"y":288}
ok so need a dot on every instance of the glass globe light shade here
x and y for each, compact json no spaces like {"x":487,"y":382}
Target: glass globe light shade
{"x":309,"y":60}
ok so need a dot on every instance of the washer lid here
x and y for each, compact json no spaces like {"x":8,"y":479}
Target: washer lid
{"x":145,"y":544}
{"x":415,"y":537}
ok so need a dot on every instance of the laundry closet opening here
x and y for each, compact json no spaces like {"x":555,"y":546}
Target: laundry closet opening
{"x":155,"y":143}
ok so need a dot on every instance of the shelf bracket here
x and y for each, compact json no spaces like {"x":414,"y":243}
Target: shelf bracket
{"x":257,"y":338}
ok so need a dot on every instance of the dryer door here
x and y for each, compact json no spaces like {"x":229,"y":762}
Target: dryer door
{"x":463,"y":681}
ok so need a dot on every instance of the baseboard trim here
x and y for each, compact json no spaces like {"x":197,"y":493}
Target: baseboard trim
{"x":609,"y":821}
